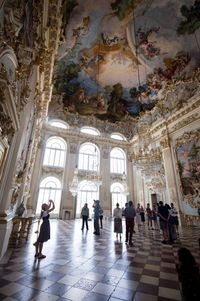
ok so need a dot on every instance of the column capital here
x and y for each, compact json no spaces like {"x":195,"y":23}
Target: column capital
{"x":165,"y":142}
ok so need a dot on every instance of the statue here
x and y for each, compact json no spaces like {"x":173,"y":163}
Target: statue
{"x":20,"y":209}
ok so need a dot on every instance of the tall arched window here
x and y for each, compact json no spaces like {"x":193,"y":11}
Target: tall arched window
{"x":117,"y":161}
{"x":50,"y":188}
{"x":55,"y":152}
{"x":118,"y":196}
{"x":89,"y":158}
{"x":87,"y":192}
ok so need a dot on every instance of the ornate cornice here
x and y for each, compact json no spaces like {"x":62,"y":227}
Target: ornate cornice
{"x":186,"y":137}
{"x":75,"y":136}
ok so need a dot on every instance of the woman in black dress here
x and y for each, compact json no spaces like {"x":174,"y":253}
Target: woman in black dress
{"x":44,"y":234}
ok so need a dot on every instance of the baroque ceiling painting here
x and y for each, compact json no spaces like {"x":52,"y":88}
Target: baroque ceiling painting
{"x":117,"y":56}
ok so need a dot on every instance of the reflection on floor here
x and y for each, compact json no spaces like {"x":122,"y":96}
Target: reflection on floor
{"x":81,"y":266}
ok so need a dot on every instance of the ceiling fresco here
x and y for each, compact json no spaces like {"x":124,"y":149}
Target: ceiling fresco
{"x":117,"y":56}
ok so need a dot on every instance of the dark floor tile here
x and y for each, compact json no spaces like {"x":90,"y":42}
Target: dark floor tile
{"x":58,"y":289}
{"x":100,"y":270}
{"x":153,"y":262}
{"x":165,"y":299}
{"x":167,"y":270}
{"x":26,"y":294}
{"x":132,"y":276}
{"x":151,"y":273}
{"x":2,"y":296}
{"x":119,"y":267}
{"x":137,"y":264}
{"x":169,"y":283}
{"x":123,"y":294}
{"x":111,"y":280}
{"x":147,"y":288}
{"x":95,"y":297}
{"x":26,"y":280}
{"x":54,"y":276}
{"x":169,"y":260}
{"x":63,"y":299}
{"x":4,"y":282}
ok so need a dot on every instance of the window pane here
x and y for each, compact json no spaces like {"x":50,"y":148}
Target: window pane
{"x":90,"y":131}
{"x":86,"y":194}
{"x":59,"y":124}
{"x":55,"y":152}
{"x":89,"y":157}
{"x":117,"y":161}
{"x":50,"y":188}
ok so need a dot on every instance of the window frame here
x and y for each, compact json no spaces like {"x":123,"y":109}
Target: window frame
{"x":59,"y":154}
{"x":118,"y":164}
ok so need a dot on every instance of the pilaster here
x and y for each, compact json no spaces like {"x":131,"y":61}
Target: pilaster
{"x":172,"y":194}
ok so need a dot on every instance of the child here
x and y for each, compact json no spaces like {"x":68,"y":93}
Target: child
{"x":188,"y":273}
{"x":44,"y":234}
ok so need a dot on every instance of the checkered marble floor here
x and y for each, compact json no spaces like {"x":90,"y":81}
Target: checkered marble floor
{"x":81,"y":266}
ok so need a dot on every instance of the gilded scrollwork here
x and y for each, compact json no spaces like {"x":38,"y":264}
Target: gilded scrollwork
{"x":165,"y":142}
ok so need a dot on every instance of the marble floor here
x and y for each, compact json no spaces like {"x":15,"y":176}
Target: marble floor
{"x":81,"y":266}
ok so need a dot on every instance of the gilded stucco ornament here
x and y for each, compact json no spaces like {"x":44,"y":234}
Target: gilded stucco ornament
{"x":165,"y":143}
{"x":186,"y":121}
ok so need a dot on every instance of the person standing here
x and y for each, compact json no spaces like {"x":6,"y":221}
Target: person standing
{"x":154,"y":218}
{"x":142,"y":214}
{"x":44,"y":233}
{"x":97,"y":208}
{"x":129,"y":213}
{"x":138,"y":217}
{"x":101,"y":217}
{"x":174,"y":213}
{"x":117,"y":214}
{"x":149,"y":216}
{"x":85,"y":216}
{"x":163,"y":216}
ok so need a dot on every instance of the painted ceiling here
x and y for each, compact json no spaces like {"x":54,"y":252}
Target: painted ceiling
{"x":116,"y":56}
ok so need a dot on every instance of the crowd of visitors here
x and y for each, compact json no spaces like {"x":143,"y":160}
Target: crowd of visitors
{"x":187,"y":268}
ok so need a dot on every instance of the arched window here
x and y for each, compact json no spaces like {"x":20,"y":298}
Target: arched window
{"x":89,"y":158}
{"x":117,"y":136}
{"x":55,"y":152}
{"x":90,"y":131}
{"x":59,"y":124}
{"x":117,"y":161}
{"x":118,"y":196}
{"x":50,"y":189}
{"x":87,"y":193}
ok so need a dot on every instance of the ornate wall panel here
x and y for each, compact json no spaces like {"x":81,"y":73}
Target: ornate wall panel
{"x":188,"y":157}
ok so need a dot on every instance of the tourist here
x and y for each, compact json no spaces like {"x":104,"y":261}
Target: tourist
{"x":174,"y":213}
{"x":138,"y":217}
{"x":44,"y":233}
{"x":142,"y":214}
{"x":129,"y":213}
{"x":155,"y":218}
{"x":101,"y":218}
{"x":97,"y":209}
{"x":188,"y":273}
{"x":117,"y":214}
{"x":163,"y":219}
{"x":85,"y":216}
{"x":149,"y":216}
